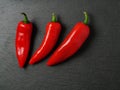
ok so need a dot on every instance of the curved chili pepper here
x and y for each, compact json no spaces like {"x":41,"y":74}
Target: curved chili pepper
{"x":53,"y":29}
{"x":23,"y":36}
{"x":71,"y":43}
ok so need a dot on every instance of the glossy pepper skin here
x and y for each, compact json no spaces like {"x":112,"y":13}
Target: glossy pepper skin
{"x":23,"y":37}
{"x":72,"y":43}
{"x":53,"y":30}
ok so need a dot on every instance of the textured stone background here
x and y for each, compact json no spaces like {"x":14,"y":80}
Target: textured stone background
{"x":96,"y":66}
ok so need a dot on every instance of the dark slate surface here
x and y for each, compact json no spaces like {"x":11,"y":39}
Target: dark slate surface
{"x":96,"y":66}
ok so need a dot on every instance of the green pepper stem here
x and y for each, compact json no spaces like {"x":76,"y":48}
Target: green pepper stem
{"x":86,"y":18}
{"x":54,"y":18}
{"x":25,"y":20}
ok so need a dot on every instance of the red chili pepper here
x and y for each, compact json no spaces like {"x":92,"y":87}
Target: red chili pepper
{"x":52,"y":33}
{"x":23,"y":36}
{"x":71,"y":43}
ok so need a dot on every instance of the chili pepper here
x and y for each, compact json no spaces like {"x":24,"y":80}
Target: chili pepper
{"x":71,"y":43}
{"x":53,"y":30}
{"x":23,"y":36}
